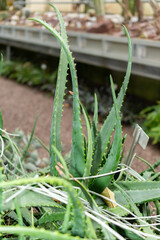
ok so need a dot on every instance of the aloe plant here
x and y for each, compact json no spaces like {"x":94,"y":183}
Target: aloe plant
{"x":65,"y":200}
{"x":77,"y":162}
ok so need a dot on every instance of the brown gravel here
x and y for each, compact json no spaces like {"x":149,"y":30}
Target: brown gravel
{"x":21,"y":104}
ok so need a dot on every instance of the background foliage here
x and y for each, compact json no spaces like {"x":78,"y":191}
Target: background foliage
{"x":151,"y":123}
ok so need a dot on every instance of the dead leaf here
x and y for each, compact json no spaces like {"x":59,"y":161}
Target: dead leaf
{"x":109,"y":194}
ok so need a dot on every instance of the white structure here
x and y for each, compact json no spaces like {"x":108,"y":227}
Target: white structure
{"x":43,"y":5}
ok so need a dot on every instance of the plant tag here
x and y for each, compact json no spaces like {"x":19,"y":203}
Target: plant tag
{"x":109,"y":194}
{"x":143,"y":139}
{"x":141,"y":135}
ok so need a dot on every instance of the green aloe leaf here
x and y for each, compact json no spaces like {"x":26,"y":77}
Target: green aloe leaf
{"x":135,"y":209}
{"x":99,"y":184}
{"x":55,"y":136}
{"x":28,"y":199}
{"x":104,"y":135}
{"x":140,"y":192}
{"x":90,"y":231}
{"x":20,"y":218}
{"x":53,"y":217}
{"x":37,"y":233}
{"x":94,"y":206}
{"x":67,"y":216}
{"x":131,"y":235}
{"x":78,"y":211}
{"x":77,"y":152}
{"x":95,"y":119}
{"x":88,"y":164}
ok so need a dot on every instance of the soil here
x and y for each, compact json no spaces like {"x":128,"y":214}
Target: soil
{"x":21,"y":104}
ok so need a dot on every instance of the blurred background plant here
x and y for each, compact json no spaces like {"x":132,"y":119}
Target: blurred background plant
{"x":156,"y":11}
{"x":99,"y":9}
{"x":129,"y":8}
{"x":28,"y":73}
{"x":3,"y":5}
{"x":151,"y":122}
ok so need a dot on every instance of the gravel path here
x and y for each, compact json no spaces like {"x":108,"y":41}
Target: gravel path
{"x":21,"y":104}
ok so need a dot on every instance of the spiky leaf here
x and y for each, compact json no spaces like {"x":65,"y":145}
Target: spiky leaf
{"x":104,"y":135}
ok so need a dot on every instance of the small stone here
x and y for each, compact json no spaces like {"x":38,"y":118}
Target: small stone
{"x":101,"y":27}
{"x":91,"y":12}
{"x":78,"y":25}
{"x":150,"y":33}
{"x":14,"y":18}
